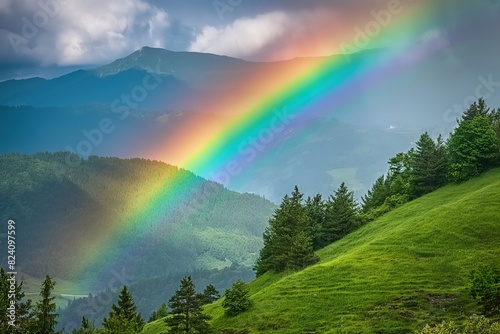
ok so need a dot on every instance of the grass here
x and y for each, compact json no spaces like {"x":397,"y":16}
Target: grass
{"x":395,"y":274}
{"x":155,"y":327}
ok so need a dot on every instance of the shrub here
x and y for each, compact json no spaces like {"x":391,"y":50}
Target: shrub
{"x":236,"y":299}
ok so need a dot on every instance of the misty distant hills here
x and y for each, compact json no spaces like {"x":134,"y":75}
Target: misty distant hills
{"x":383,"y":115}
{"x":87,"y":88}
{"x":184,"y":77}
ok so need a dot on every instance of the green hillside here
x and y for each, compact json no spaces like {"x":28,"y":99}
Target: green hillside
{"x":405,"y":269}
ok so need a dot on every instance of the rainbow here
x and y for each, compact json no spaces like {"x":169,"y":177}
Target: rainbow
{"x":290,"y":98}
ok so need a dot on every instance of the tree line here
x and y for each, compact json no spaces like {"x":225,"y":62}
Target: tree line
{"x":471,"y":149}
{"x":183,"y":315}
{"x":300,"y":227}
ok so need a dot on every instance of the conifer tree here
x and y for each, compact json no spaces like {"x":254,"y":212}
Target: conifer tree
{"x":315,"y":208}
{"x":186,"y":311}
{"x":375,"y":197}
{"x":287,"y":228}
{"x":397,"y":180}
{"x":478,"y":108}
{"x":22,"y":309}
{"x":266,"y":254}
{"x":209,"y":295}
{"x":45,"y":316}
{"x":341,"y":214}
{"x":429,"y":166}
{"x":301,"y":251}
{"x":124,"y":316}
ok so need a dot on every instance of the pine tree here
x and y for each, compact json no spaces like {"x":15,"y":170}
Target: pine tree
{"x":287,"y":227}
{"x":45,"y":316}
{"x":266,"y":254}
{"x":22,"y":309}
{"x":429,"y":166}
{"x":125,"y":314}
{"x":341,"y":214}
{"x":315,"y":208}
{"x":209,"y":295}
{"x":186,"y":311}
{"x":397,"y":180}
{"x":478,"y":108}
{"x":375,"y":197}
{"x":236,"y":299}
{"x":301,"y":251}
{"x":391,"y":190}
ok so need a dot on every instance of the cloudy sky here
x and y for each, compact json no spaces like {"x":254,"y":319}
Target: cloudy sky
{"x":48,"y":37}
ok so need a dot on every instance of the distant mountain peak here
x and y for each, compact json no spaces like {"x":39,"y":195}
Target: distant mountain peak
{"x":187,"y":66}
{"x":151,"y":49}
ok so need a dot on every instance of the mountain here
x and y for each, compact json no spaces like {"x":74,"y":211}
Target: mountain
{"x":38,"y":115}
{"x":192,"y":67}
{"x":86,"y":88}
{"x":91,"y":221}
{"x":183,"y":77}
{"x":369,"y":102}
{"x":408,"y":268}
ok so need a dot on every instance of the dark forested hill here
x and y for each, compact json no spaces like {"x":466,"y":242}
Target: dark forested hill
{"x":87,"y":220}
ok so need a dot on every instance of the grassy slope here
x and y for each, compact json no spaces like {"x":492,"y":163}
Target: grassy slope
{"x":394,"y":275}
{"x":391,"y":276}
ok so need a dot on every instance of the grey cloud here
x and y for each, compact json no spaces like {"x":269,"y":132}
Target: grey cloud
{"x":63,"y":40}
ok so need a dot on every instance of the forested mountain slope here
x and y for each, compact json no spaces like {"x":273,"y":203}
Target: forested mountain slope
{"x":405,"y":269}
{"x":87,"y":219}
